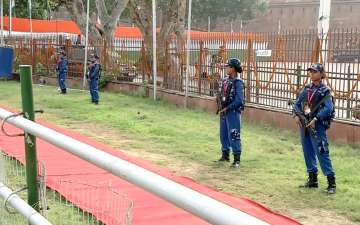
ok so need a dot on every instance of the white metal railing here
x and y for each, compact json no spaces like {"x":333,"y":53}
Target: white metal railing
{"x":200,"y":205}
{"x":32,"y":216}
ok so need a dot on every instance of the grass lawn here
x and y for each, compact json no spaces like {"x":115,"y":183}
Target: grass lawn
{"x":186,"y":142}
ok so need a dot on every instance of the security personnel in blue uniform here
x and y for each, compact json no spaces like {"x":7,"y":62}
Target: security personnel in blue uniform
{"x":94,"y":76}
{"x":230,"y":101}
{"x":62,"y":69}
{"x":315,"y":104}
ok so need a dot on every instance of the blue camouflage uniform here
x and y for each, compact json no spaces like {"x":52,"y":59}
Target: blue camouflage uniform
{"x":94,"y":76}
{"x":316,"y":144}
{"x":62,"y":68}
{"x":232,"y":98}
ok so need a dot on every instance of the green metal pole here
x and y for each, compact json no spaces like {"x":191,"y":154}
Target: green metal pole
{"x":30,"y":140}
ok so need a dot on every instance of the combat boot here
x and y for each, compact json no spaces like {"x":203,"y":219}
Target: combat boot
{"x":312,"y":181}
{"x":331,"y":189}
{"x":236,"y":163}
{"x":225,"y":157}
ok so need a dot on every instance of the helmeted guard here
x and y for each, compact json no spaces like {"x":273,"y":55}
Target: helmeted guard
{"x":230,"y":100}
{"x":62,"y":69}
{"x":314,"y":111}
{"x":94,"y":76}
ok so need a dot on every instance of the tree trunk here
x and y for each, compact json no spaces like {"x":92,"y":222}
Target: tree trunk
{"x":109,"y":21}
{"x":77,"y":10}
{"x":97,"y":32}
{"x":142,"y":16}
{"x":173,"y":21}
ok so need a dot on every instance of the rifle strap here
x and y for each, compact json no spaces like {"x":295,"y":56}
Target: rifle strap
{"x":318,"y":105}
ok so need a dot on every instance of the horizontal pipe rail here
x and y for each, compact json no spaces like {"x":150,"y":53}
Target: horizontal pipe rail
{"x":31,"y":215}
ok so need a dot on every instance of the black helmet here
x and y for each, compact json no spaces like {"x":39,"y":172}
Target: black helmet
{"x":94,"y":56}
{"x":62,"y":53}
{"x":317,"y":67}
{"x":235,"y":63}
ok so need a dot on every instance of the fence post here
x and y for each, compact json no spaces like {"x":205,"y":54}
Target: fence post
{"x":298,"y":80}
{"x":47,"y":52}
{"x":201,"y":64}
{"x":68,"y":48}
{"x":30,"y":140}
{"x":317,"y":51}
{"x":248,"y":78}
{"x":104,"y":55}
{"x":183,"y":55}
{"x":143,"y":61}
{"x":348,"y":102}
{"x":257,"y":89}
{"x":34,"y":47}
{"x":166,"y":62}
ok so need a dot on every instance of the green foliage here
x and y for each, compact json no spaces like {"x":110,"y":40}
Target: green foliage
{"x":40,"y":9}
{"x":41,"y":70}
{"x":105,"y":79}
{"x":16,"y":64}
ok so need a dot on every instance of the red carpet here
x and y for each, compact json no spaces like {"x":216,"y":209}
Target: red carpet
{"x":148,"y":209}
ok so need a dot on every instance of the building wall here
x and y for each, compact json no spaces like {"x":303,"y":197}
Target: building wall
{"x":295,"y":14}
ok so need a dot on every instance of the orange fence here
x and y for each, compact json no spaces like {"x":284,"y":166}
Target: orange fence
{"x":274,"y":64}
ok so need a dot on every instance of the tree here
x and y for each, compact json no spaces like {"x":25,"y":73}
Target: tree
{"x":109,"y":17}
{"x":40,"y":9}
{"x":172,"y":21}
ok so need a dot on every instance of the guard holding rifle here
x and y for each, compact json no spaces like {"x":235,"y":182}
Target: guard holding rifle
{"x":314,"y":111}
{"x":94,"y":71}
{"x":62,"y":69}
{"x":230,"y":100}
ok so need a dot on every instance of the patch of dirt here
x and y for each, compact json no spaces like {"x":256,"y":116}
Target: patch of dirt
{"x":317,"y":217}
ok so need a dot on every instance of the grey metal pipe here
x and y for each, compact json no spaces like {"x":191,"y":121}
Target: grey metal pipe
{"x":200,"y":205}
{"x":31,"y":215}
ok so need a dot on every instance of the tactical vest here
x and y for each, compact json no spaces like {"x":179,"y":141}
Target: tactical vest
{"x":227,"y":92}
{"x":92,"y":71}
{"x":314,"y":95}
{"x":63,"y":65}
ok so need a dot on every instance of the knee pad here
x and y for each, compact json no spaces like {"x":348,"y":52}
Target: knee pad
{"x":235,"y":134}
{"x":323,"y":148}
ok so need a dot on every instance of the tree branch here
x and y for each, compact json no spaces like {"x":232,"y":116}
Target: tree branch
{"x":77,"y":11}
{"x":102,"y":10}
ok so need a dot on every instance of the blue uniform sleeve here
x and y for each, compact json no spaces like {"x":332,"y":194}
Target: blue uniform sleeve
{"x":326,"y":110}
{"x":239,"y":95}
{"x":299,"y":102}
